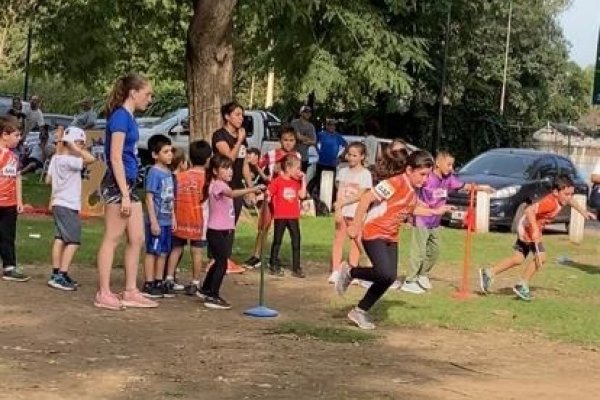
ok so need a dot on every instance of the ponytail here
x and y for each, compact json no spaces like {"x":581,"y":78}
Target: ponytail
{"x":121,"y":89}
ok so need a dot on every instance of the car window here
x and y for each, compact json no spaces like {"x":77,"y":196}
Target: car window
{"x":566,"y":167}
{"x":513,"y":166}
{"x":546,"y":167}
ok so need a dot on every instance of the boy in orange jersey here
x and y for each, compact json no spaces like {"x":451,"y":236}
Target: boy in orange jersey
{"x":529,"y":239}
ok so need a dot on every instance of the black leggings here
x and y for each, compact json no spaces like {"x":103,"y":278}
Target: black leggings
{"x":293,"y":226}
{"x":8,"y":229}
{"x":384,"y":256}
{"x":220,"y":244}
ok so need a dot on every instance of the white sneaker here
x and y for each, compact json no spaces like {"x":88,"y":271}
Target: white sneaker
{"x":365,"y":284}
{"x":396,"y":285}
{"x":424,"y":282}
{"x":344,"y":279}
{"x":335,"y":274}
{"x":412,"y":287}
{"x":361,"y":319}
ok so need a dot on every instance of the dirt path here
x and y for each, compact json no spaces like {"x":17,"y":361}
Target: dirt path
{"x":55,"y":345}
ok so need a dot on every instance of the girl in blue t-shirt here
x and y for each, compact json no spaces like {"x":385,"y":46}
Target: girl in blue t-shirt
{"x":123,"y":210}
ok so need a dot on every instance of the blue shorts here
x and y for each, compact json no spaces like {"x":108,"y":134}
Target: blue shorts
{"x":158,"y":245}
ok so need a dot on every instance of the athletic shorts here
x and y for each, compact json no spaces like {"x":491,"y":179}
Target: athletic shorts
{"x":158,"y":245}
{"x":527,"y":247}
{"x":38,"y":163}
{"x":110,"y":192}
{"x":179,"y":242}
{"x":67,"y":225}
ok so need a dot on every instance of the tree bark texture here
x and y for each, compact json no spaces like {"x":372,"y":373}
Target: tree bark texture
{"x":209,"y":64}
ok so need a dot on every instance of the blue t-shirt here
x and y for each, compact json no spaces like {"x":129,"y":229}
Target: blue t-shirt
{"x":122,"y":121}
{"x":161,"y":184}
{"x":329,"y":146}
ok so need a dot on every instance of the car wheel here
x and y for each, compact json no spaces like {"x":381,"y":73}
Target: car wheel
{"x":515,"y":223}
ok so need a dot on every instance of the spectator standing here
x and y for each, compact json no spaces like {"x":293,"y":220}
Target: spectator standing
{"x":87,"y":119}
{"x":305,"y":134}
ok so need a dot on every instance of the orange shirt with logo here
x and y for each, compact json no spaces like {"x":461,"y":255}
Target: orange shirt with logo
{"x":396,"y":200}
{"x":188,"y":204}
{"x":8,"y":178}
{"x":545,"y":211}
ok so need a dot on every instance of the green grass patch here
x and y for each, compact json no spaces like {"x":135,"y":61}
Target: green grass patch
{"x":324,"y":333}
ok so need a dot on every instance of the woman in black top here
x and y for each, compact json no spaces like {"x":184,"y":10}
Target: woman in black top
{"x":230,"y":141}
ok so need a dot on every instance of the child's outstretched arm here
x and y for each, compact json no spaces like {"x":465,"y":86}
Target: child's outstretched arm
{"x":424,"y":210}
{"x":581,"y":209}
{"x":242,"y":192}
{"x":359,"y":216}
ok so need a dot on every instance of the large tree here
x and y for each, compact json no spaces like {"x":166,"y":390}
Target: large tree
{"x":209,"y":64}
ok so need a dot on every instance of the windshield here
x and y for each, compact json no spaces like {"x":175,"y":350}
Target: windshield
{"x":511,"y":166}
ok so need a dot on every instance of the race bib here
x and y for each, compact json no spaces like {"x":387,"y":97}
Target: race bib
{"x":9,"y":170}
{"x":289,"y":194}
{"x":384,"y":190}
{"x":440,"y":193}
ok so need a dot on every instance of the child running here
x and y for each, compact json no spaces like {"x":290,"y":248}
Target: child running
{"x":352,"y":181}
{"x":285,"y":192}
{"x":425,"y":244}
{"x":529,"y":236}
{"x":221,"y":227}
{"x":11,"y":200}
{"x":393,"y":199}
{"x":271,"y":164}
{"x":64,"y":174}
{"x":160,"y":217}
{"x":189,"y":215}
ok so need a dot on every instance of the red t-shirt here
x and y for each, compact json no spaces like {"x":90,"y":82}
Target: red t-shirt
{"x":188,"y":204}
{"x":285,"y":198}
{"x":8,"y":178}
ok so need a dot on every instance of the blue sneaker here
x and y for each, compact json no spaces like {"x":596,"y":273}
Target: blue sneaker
{"x":485,"y":280}
{"x":522,"y":292}
{"x":58,"y":281}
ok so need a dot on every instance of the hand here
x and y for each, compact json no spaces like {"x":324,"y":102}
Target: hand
{"x":591,"y":215}
{"x":173,"y":225}
{"x":20,"y":208}
{"x":60,"y":132}
{"x":155,"y":228}
{"x":259,"y":188}
{"x":443,"y":210}
{"x":352,"y":231}
{"x":241,"y":135}
{"x":125,"y":207}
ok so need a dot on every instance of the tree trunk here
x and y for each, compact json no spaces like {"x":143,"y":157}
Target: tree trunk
{"x":209,"y":66}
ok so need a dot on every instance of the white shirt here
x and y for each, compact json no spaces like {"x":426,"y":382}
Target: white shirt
{"x":35,"y":118}
{"x":65,"y":173}
{"x":350,"y":184}
{"x":596,"y":170}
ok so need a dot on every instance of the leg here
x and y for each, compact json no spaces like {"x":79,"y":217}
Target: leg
{"x":338,"y":243}
{"x":516,"y":259}
{"x":432,"y":252}
{"x":159,"y":267}
{"x":217,"y":243}
{"x":196,"y":262}
{"x":57,"y":252}
{"x":384,"y":256}
{"x":135,"y":242}
{"x":278,"y":230}
{"x":418,"y":250}
{"x":67,"y":257}
{"x":238,"y":203}
{"x":149,"y":264}
{"x":533,"y":267}
{"x":114,"y":226}
{"x":8,"y":228}
{"x":173,"y":259}
{"x":354,"y":255}
{"x":293,"y":226}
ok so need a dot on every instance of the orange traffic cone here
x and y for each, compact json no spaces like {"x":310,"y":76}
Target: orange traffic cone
{"x":233,"y":268}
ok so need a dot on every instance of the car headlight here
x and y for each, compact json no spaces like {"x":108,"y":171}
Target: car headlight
{"x":505,"y":192}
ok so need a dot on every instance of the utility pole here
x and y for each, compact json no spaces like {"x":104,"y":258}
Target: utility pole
{"x":27,"y":61}
{"x":438,"y":136}
{"x":503,"y":94}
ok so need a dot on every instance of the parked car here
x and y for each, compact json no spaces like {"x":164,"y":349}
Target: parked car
{"x":519,"y":176}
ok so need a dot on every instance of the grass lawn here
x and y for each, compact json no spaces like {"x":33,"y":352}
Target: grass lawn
{"x":564,"y":308}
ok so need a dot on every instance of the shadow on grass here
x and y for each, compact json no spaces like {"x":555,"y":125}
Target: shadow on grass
{"x":587,"y":268}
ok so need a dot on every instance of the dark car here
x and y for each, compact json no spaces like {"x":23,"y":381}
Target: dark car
{"x":519,"y":176}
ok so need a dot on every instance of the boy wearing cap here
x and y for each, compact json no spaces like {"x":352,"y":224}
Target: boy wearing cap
{"x":64,"y":173}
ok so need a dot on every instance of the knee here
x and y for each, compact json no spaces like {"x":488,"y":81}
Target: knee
{"x":136,"y":240}
{"x":387,"y":278}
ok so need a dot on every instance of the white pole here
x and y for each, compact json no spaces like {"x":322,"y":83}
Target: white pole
{"x":577,"y":224}
{"x":251,"y":105}
{"x":482,"y":212}
{"x":270,"y":88}
{"x":503,"y":94}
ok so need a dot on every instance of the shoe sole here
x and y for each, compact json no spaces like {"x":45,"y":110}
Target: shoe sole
{"x":11,"y":279}
{"x":108,"y":307}
{"x":356,"y":323}
{"x":169,"y":296}
{"x":519,"y":295}
{"x":135,"y":304}
{"x":216,"y":306}
{"x":55,"y":285}
{"x":411,"y":291}
{"x":153,"y":296}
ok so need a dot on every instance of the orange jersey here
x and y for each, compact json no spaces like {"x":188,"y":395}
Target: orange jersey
{"x":188,"y":204}
{"x":8,"y":178}
{"x":396,"y":200}
{"x":545,"y":211}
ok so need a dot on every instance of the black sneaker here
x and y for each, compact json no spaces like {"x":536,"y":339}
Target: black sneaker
{"x":252,"y":262}
{"x":71,"y":280}
{"x":191,"y":289}
{"x":168,"y":289}
{"x":276,"y":270}
{"x":14,"y":274}
{"x":298,"y":273}
{"x":216,"y":302}
{"x":152,"y":291}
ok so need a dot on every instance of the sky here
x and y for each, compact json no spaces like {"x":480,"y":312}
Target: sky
{"x":580,"y":24}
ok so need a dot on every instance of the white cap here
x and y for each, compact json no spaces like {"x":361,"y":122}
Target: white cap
{"x":73,"y":134}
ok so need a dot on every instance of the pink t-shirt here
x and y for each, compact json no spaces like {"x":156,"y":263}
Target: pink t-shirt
{"x":221,"y":215}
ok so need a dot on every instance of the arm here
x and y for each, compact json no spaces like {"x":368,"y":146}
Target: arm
{"x":424,"y":211}
{"x":361,"y":209}
{"x":535,"y":228}
{"x":302,"y":192}
{"x":242,"y":192}
{"x":87,"y":157}
{"x":232,"y":154}
{"x":581,"y":209}
{"x":483,"y":188}
{"x":19,"y":194}
{"x":154,"y":227}
{"x":116,"y":159}
{"x":305,"y":139}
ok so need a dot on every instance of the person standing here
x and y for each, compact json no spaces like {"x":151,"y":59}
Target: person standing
{"x":330,"y":145}
{"x":87,"y":119}
{"x":305,"y":134}
{"x":34,"y":119}
{"x":123,"y":208}
{"x":372,"y":130}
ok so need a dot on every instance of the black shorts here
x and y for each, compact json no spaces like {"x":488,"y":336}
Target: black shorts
{"x":67,"y":225}
{"x":110,"y":192}
{"x":527,"y":247}
{"x":38,"y":163}
{"x":179,"y":242}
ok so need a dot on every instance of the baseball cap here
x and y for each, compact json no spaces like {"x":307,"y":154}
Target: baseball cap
{"x":305,"y":109}
{"x":73,"y":134}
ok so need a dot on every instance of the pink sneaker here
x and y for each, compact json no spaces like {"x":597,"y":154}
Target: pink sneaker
{"x":108,"y":302}
{"x":134,"y":299}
